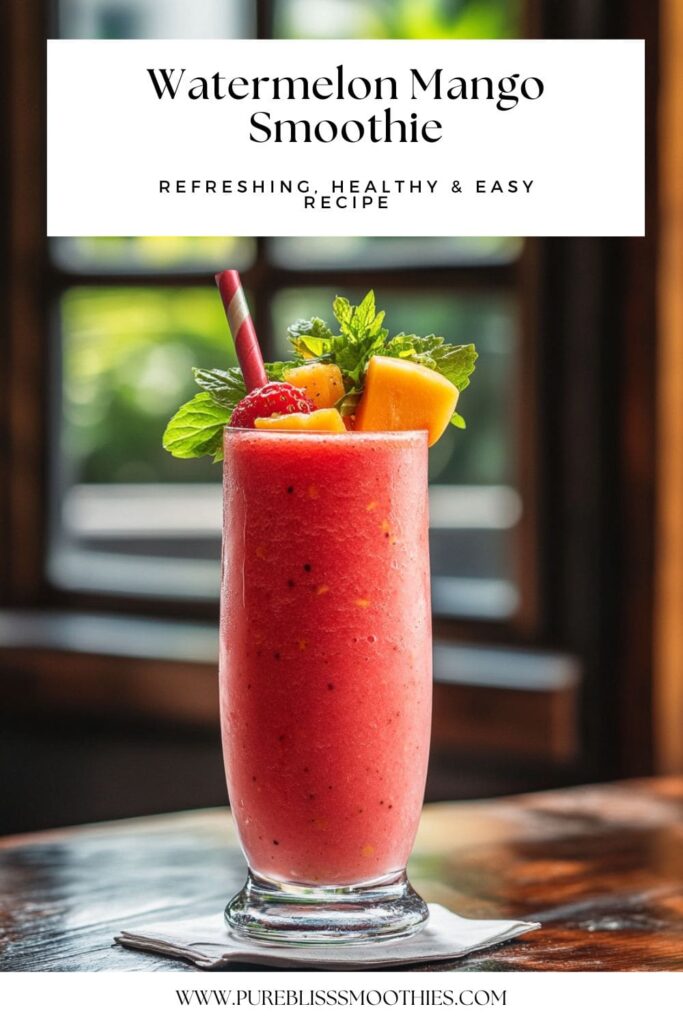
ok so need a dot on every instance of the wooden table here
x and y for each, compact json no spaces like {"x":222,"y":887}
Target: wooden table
{"x":600,"y":866}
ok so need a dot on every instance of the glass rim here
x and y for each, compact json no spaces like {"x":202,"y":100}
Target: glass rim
{"x":340,"y":437}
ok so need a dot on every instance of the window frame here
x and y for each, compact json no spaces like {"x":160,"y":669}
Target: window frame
{"x":264,"y":278}
{"x":569,"y":289}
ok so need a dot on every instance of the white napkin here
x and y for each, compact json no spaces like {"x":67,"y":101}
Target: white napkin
{"x":207,"y":942}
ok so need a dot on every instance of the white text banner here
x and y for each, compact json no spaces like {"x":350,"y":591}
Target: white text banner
{"x":227,"y":137}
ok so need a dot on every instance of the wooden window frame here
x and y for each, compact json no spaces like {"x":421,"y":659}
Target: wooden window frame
{"x":587,"y":464}
{"x":265,"y":278}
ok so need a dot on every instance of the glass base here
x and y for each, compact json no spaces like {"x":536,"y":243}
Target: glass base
{"x":387,"y":908}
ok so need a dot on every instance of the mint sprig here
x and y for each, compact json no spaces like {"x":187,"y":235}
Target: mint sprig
{"x":455,"y":362}
{"x":197,"y":427}
{"x":226,"y":387}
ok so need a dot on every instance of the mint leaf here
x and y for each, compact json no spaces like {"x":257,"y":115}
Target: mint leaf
{"x":343,"y":311}
{"x":458,"y":421}
{"x":197,"y":429}
{"x":276,"y":371}
{"x":309,"y":338}
{"x":412,"y":346}
{"x":310,"y":347}
{"x":365,"y":310}
{"x":348,"y":403}
{"x":313,"y":328}
{"x":360,"y":324}
{"x":225,"y":386}
{"x":455,"y":362}
{"x":361,"y":337}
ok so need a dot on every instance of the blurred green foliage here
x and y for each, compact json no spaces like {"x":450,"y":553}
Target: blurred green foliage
{"x":151,"y":253}
{"x":398,"y":19}
{"x":127,"y":360}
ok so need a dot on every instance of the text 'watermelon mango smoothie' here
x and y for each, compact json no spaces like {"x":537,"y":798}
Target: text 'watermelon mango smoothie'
{"x":325,"y":636}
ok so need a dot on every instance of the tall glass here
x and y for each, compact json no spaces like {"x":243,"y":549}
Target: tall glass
{"x":325,"y":678}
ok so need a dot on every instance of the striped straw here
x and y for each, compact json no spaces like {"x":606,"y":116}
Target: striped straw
{"x":242,"y":329}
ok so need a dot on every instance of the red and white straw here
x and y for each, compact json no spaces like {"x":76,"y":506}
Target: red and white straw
{"x":242,"y":329}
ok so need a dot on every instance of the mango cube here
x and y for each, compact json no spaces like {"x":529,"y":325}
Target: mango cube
{"x":402,"y":395}
{"x":326,"y":421}
{"x":322,"y":383}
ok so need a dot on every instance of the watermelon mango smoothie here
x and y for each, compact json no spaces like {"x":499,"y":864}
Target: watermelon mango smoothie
{"x":325,"y":651}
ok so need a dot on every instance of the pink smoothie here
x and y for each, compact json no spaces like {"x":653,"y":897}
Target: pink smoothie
{"x":325,"y":655}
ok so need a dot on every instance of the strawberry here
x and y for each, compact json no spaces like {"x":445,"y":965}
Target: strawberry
{"x":276,"y":399}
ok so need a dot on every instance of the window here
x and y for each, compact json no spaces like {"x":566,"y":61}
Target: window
{"x":134,"y":315}
{"x":542,"y":513}
{"x":153,"y":19}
